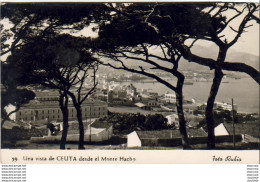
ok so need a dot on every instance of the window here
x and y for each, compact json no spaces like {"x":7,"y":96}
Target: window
{"x":20,"y":113}
{"x":42,"y":112}
{"x":53,"y":111}
{"x":48,"y":111}
{"x":42,"y":117}
{"x":53,"y":117}
{"x":58,"y":116}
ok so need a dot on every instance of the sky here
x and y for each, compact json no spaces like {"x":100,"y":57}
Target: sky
{"x":249,"y":41}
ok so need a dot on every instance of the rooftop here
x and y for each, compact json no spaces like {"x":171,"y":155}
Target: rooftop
{"x":140,"y":104}
{"x":33,"y":104}
{"x":167,"y":134}
{"x":250,"y":128}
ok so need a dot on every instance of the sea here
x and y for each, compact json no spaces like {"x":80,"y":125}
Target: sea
{"x":244,"y":91}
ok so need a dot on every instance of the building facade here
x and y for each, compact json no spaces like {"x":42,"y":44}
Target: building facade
{"x":170,"y":98}
{"x":47,"y":108}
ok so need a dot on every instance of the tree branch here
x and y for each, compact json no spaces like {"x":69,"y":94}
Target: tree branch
{"x":95,"y":68}
{"x":139,"y":59}
{"x":124,"y":67}
{"x":212,"y":64}
{"x":244,"y":68}
{"x":242,"y":26}
{"x":256,"y":18}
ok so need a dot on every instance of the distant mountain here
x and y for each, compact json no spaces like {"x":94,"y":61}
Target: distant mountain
{"x":207,"y":52}
{"x":212,"y":52}
{"x":249,"y":59}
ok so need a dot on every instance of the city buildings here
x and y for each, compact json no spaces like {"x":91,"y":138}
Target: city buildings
{"x":219,"y":105}
{"x":45,"y":108}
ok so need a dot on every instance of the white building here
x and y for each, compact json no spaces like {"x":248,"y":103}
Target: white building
{"x":221,"y":130}
{"x":173,"y":119}
{"x":99,"y":131}
{"x":170,"y":98}
{"x":227,"y":106}
{"x":133,"y":140}
{"x":98,"y":134}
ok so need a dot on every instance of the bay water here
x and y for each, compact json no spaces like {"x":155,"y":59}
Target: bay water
{"x":244,"y":91}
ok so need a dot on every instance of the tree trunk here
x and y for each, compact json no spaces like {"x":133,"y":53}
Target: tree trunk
{"x":79,"y":117}
{"x":182,"y":122}
{"x":212,"y":96}
{"x":81,"y":127}
{"x":8,"y":115}
{"x":63,"y":102}
{"x":179,"y":105}
{"x":209,"y":109}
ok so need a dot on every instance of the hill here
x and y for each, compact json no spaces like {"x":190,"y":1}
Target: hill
{"x":207,"y":52}
{"x":212,"y":51}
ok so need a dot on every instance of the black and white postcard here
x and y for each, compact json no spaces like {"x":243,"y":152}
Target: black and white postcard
{"x":137,"y":82}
